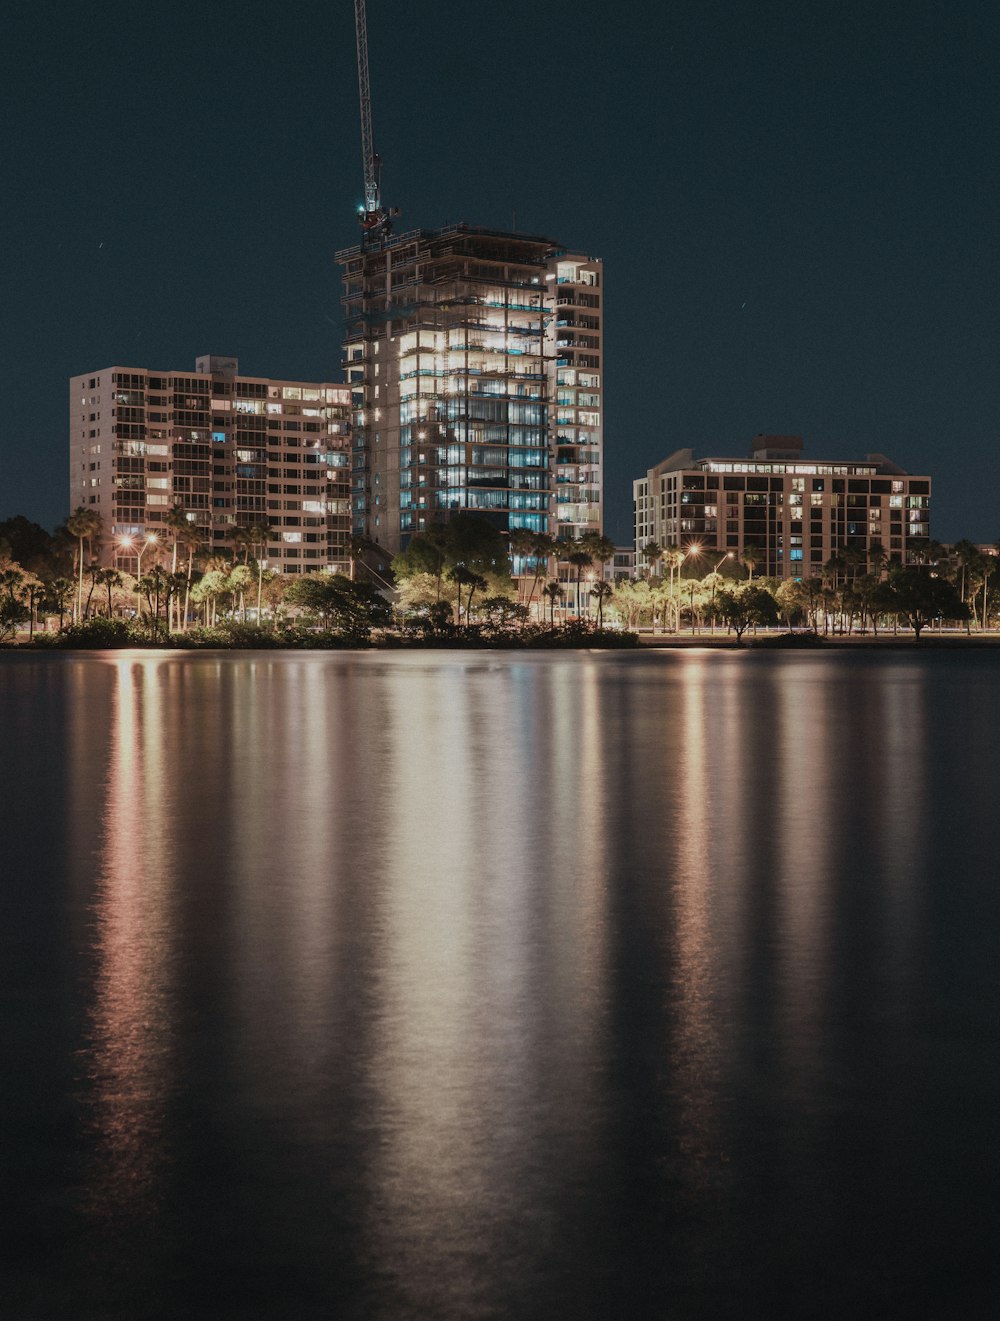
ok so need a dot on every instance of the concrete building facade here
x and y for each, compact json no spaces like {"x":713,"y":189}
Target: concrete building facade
{"x":233,"y":450}
{"x":473,"y":358}
{"x":795,"y":512}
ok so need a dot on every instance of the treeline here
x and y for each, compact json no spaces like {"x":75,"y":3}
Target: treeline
{"x":854,"y":591}
{"x":455,"y":581}
{"x":461,"y":579}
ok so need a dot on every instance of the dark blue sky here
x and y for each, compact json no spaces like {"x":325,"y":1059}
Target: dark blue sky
{"x":797,"y":205}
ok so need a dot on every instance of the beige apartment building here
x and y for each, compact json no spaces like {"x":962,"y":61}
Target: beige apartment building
{"x":474,"y":363}
{"x":234,"y":451}
{"x":797,"y":513}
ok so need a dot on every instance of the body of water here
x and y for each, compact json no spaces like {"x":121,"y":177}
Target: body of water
{"x":472,"y":985}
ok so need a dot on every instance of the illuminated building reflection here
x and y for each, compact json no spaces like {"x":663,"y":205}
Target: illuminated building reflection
{"x":482,"y":1039}
{"x":129,"y":1064}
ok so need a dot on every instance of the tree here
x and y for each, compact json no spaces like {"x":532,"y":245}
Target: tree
{"x":29,"y":545}
{"x":652,"y":553}
{"x":427,"y":552}
{"x":792,"y":599}
{"x":920,"y":597}
{"x":239,"y":580}
{"x":240,"y":539}
{"x":354,"y":607}
{"x":468,"y":540}
{"x":601,"y":548}
{"x":109,"y":579}
{"x":580,"y":559}
{"x":32,"y":594}
{"x":553,"y":590}
{"x":744,"y":604}
{"x":463,"y":577}
{"x":207,"y":590}
{"x":752,"y":556}
{"x":58,"y":595}
{"x":502,"y":614}
{"x":259,"y":534}
{"x":94,"y":573}
{"x":674,"y":557}
{"x":185,"y":532}
{"x":971,"y":564}
{"x":175,"y":520}
{"x":600,"y":591}
{"x":13,"y":611}
{"x":537,"y":548}
{"x":83,"y":524}
{"x":632,"y":598}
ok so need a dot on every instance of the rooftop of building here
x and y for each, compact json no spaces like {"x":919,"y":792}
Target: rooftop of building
{"x":776,"y":455}
{"x":210,"y":364}
{"x":451,"y":234}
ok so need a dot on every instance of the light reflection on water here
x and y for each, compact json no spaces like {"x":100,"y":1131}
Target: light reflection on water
{"x":473,"y":985}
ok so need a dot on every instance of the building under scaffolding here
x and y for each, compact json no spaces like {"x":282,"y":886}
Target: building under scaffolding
{"x":474,"y":362}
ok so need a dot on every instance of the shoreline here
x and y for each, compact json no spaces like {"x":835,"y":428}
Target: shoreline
{"x":801,"y":642}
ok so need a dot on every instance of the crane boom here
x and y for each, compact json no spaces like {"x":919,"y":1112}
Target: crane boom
{"x":369,"y":159}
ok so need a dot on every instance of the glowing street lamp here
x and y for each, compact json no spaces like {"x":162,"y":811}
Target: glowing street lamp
{"x":150,"y":539}
{"x":722,"y":558}
{"x":693,"y":550}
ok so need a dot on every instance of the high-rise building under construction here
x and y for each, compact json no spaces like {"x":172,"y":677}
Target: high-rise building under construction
{"x":473,"y":358}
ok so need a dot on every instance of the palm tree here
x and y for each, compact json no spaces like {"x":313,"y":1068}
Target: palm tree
{"x":652,"y":553}
{"x":94,"y":570}
{"x":58,"y":594}
{"x":580,"y":559}
{"x":193,"y":538}
{"x":877,"y":558}
{"x":752,"y":556}
{"x":463,"y":577}
{"x":109,"y":579}
{"x":176,"y":520}
{"x":180,"y":524}
{"x":539,"y":548}
{"x":522,"y":545}
{"x":33,"y":590}
{"x":553,"y":590}
{"x":239,"y":580}
{"x":84,"y":524}
{"x":601,"y":590}
{"x":240,"y":538}
{"x":675,"y":556}
{"x":259,"y":534}
{"x":156,"y":586}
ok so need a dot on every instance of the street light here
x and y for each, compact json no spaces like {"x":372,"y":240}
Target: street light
{"x":728,"y":556}
{"x":138,"y":570}
{"x":695,"y":549}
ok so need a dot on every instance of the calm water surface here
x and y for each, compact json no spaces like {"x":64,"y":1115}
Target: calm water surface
{"x":465,"y":985}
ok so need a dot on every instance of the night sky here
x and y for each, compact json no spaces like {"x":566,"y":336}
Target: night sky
{"x":796,"y":203}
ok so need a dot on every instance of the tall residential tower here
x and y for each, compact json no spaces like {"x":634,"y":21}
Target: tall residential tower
{"x":473,"y":358}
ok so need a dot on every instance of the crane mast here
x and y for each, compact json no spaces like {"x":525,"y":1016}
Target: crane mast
{"x":374,"y":217}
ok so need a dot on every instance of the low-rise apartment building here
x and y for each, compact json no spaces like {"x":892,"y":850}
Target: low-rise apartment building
{"x":796,"y":513}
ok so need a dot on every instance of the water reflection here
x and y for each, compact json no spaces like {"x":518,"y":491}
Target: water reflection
{"x":535,"y":986}
{"x":129,"y":1062}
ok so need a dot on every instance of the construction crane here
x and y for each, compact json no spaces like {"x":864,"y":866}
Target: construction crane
{"x":375,"y":220}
